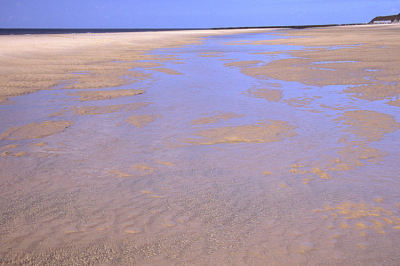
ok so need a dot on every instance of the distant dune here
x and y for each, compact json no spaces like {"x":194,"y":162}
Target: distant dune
{"x":380,"y":19}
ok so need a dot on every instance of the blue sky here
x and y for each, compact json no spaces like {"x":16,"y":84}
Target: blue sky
{"x":187,"y":13}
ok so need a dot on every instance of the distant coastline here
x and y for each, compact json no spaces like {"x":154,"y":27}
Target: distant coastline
{"x":290,"y":27}
{"x":32,"y":31}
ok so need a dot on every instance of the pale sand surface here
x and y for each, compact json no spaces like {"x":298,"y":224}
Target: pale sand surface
{"x":236,"y":147}
{"x":215,"y":118}
{"x":367,"y":61}
{"x":105,"y":95}
{"x":140,"y":120}
{"x":97,"y":110}
{"x":29,"y":63}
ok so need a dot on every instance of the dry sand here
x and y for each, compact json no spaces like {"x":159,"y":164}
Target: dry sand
{"x":31,"y":63}
{"x":140,"y":120}
{"x":36,"y":130}
{"x":366,"y":61}
{"x":215,"y":118}
{"x":169,"y":148}
{"x":265,"y":131}
{"x":369,"y":125}
{"x":268,"y":94}
{"x":105,"y":95}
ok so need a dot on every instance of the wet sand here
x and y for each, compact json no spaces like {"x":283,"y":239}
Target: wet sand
{"x":242,"y":147}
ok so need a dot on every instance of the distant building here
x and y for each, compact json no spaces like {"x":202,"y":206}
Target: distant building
{"x":386,"y":19}
{"x":382,"y":22}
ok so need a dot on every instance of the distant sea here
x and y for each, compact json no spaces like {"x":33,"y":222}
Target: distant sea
{"x":75,"y":31}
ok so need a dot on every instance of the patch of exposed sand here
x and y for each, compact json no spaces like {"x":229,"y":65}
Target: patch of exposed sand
{"x":140,"y":121}
{"x":375,"y":91}
{"x":166,"y":163}
{"x":5,"y":101}
{"x":19,"y":154}
{"x":36,"y":130}
{"x":40,"y":144}
{"x":354,"y":154}
{"x":243,"y":64}
{"x":361,"y":216}
{"x":262,"y":132}
{"x":146,"y":65}
{"x":395,"y":103}
{"x":205,"y":120}
{"x":367,"y":60}
{"x":96,"y":110}
{"x":142,"y":169}
{"x":118,"y":173}
{"x":369,"y":125}
{"x":274,"y":95}
{"x":211,"y":54}
{"x":167,"y":71}
{"x":12,"y":146}
{"x":301,"y":101}
{"x":105,"y":95}
{"x":215,"y":118}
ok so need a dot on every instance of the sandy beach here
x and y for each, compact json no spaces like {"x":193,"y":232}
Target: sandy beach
{"x":214,"y":147}
{"x":35,"y":62}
